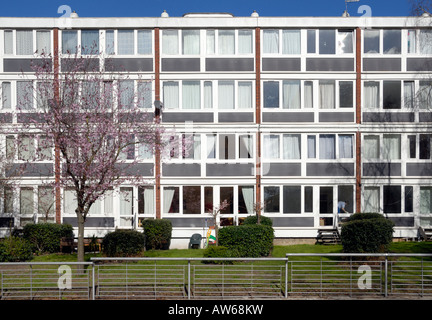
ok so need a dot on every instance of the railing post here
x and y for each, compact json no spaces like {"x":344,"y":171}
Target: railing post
{"x":385,"y":276}
{"x":286,"y":278}
{"x":93,"y":282}
{"x":189,"y":279}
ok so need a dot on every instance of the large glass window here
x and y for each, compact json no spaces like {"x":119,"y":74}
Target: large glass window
{"x":146,"y":200}
{"x":245,"y":42}
{"x":291,"y":42}
{"x":226,"y":41}
{"x":226,"y":94}
{"x":391,"y":146}
{"x":191,"y":199}
{"x":346,"y":94}
{"x":271,"y":94}
{"x":291,"y":94}
{"x":43,"y":42}
{"x":326,"y":199}
{"x":26,"y":201}
{"x":327,"y":41}
{"x":327,"y":94}
{"x":371,"y":147}
{"x":69,"y":41}
{"x":89,"y":41}
{"x":345,"y":41}
{"x":246,"y":199}
{"x":371,"y":198}
{"x":190,"y":42}
{"x":371,"y":95}
{"x":392,"y":199}
{"x":144,"y":42}
{"x":391,"y":94}
{"x":292,"y":199}
{"x":125,"y":42}
{"x":371,"y":41}
{"x":425,"y":200}
{"x":425,"y":41}
{"x":191,"y":94}
{"x":171,"y":200}
{"x":392,"y":41}
{"x":271,"y":199}
{"x":327,"y":146}
{"x":425,"y":146}
{"x":24,"y":42}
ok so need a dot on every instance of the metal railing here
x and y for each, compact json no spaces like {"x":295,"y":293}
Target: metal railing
{"x":296,"y":275}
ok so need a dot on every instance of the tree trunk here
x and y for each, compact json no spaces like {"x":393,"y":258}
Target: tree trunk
{"x":80,"y":253}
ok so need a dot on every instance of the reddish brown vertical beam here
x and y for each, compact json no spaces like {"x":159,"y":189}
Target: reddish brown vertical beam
{"x":157,"y":98}
{"x":56,"y":148}
{"x":258,"y":111}
{"x":358,"y":118}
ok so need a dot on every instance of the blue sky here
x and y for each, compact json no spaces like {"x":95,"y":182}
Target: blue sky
{"x":153,"y":8}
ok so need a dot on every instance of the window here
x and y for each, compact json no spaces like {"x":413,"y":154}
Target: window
{"x":109,"y":42}
{"x":345,"y":41}
{"x":43,"y":42}
{"x":291,"y":94}
{"x":281,"y":41}
{"x":191,"y":42}
{"x":270,"y":41}
{"x":226,"y":42}
{"x":346,"y":195}
{"x":293,"y":193}
{"x":8,"y":202}
{"x":24,"y":42}
{"x":327,"y":94}
{"x":171,"y":200}
{"x":244,"y":95}
{"x":26,"y":201}
{"x":392,"y":41}
{"x":170,"y":42}
{"x":392,"y":199}
{"x":371,"y":41}
{"x":346,"y":146}
{"x":371,"y":95}
{"x":6,"y":95}
{"x":346,"y":94}
{"x":327,"y":42}
{"x":125,"y":42}
{"x":89,"y":41}
{"x":371,"y":199}
{"x":144,"y":41}
{"x":425,"y":95}
{"x":245,"y":42}
{"x":391,"y":146}
{"x":69,"y":42}
{"x":26,"y":148}
{"x":45,"y":148}
{"x":409,"y":94}
{"x":171,"y":94}
{"x":391,"y":94}
{"x":327,"y":145}
{"x":227,"y":146}
{"x":191,"y":95}
{"x":371,"y":147}
{"x":246,"y":199}
{"x":191,"y":200}
{"x":210,"y":41}
{"x":311,"y":41}
{"x":144,"y":89}
{"x":425,"y":200}
{"x":245,"y":147}
{"x":227,"y":193}
{"x":226,"y":94}
{"x":411,"y":41}
{"x":126,"y":94}
{"x":291,"y":146}
{"x":311,"y":145}
{"x":425,"y":41}
{"x":271,"y":94}
{"x":208,"y":95}
{"x":46,"y":201}
{"x":126,"y":207}
{"x":308,"y":199}
{"x":271,"y":199}
{"x":191,"y":146}
{"x":271,"y":147}
{"x":425,"y":146}
{"x":24,"y":95}
{"x":8,"y":42}
{"x":326,"y":199}
{"x":412,"y":146}
{"x":308,"y":94}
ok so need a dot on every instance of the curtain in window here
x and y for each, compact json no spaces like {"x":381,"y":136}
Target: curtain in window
{"x":210,"y":41}
{"x":26,"y":201}
{"x":371,"y":147}
{"x":226,"y":94}
{"x":43,"y":42}
{"x":144,"y":42}
{"x":46,"y":201}
{"x":291,"y":94}
{"x":245,"y":94}
{"x":89,"y":41}
{"x":96,"y":207}
{"x":8,"y":42}
{"x":69,"y":42}
{"x":327,"y":94}
{"x":148,"y":194}
{"x":345,"y":41}
{"x":126,"y":206}
{"x":145,"y":94}
{"x":191,"y":95}
{"x":211,"y":146}
{"x":425,"y":40}
{"x":411,"y":41}
{"x":308,"y":94}
{"x":291,"y":42}
{"x":6,"y":95}
{"x":271,"y":147}
{"x":409,"y":94}
{"x":109,"y":42}
{"x":171,"y":94}
{"x":126,"y":94}
{"x":24,"y":42}
{"x":245,"y":41}
{"x":291,"y":146}
{"x":425,"y":95}
{"x":425,"y":200}
{"x":345,"y":146}
{"x":208,"y":95}
{"x":193,"y":151}
{"x":191,"y":41}
{"x":311,"y":145}
{"x":246,"y":146}
{"x":108,"y":202}
{"x":70,"y":202}
{"x":371,"y":199}
{"x":327,"y":146}
{"x":271,"y":41}
{"x":392,"y":147}
{"x":371,"y":95}
{"x":248,"y":197}
{"x":226,"y":41}
{"x":168,"y":194}
{"x":125,"y":42}
{"x":24,"y":95}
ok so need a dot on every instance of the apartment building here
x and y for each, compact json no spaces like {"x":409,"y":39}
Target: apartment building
{"x":293,"y":113}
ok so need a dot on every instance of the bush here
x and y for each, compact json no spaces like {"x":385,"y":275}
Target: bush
{"x":45,"y":237}
{"x":250,"y":240}
{"x":157,"y":233}
{"x":14,"y":249}
{"x":123,"y":243}
{"x":218,"y":252}
{"x":263,"y":219}
{"x":367,"y":233}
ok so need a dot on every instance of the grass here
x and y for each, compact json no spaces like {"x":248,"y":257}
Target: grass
{"x":278,"y":251}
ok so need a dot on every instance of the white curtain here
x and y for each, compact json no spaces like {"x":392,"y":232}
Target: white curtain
{"x":208,"y":95}
{"x":371,"y":199}
{"x":69,"y":42}
{"x":226,"y":94}
{"x":392,"y":147}
{"x":246,"y":146}
{"x":126,"y":204}
{"x":194,"y":151}
{"x":245,"y":94}
{"x":248,"y":197}
{"x":90,"y":41}
{"x":96,"y":207}
{"x":311,"y":145}
{"x":291,"y":42}
{"x":210,"y":41}
{"x":24,"y":42}
{"x":8,"y":42}
{"x":6,"y":95}
{"x":108,"y":202}
{"x":409,"y":94}
{"x":191,"y":95}
{"x":425,"y":40}
{"x":371,"y":95}
{"x":245,"y":41}
{"x":148,"y":194}
{"x":170,"y":42}
{"x":125,"y":42}
{"x":168,"y":195}
{"x":43,"y":42}
{"x":327,"y":146}
{"x":211,"y":146}
{"x":145,"y":151}
{"x":308,"y":94}
{"x":411,"y":41}
{"x":145,"y":94}
{"x":327,"y":94}
{"x":109,"y":42}
{"x":171,"y":94}
{"x":26,"y":201}
{"x":291,"y":94}
{"x":371,"y":147}
{"x":126,"y":94}
{"x":24,"y":95}
{"x":271,"y":41}
{"x":144,"y":42}
{"x":191,"y":41}
{"x":425,"y":200}
{"x":291,"y":146}
{"x":271,"y":147}
{"x":345,"y":42}
{"x":26,"y":148}
{"x":226,"y":41}
{"x":70,"y":202}
{"x":345,"y":146}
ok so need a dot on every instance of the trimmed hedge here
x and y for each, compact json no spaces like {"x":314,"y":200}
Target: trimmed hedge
{"x":247,"y":240}
{"x":15,"y":249}
{"x":367,"y":233}
{"x":45,"y":237}
{"x":157,"y":233}
{"x":123,"y":243}
{"x":218,"y":252}
{"x":254,"y":219}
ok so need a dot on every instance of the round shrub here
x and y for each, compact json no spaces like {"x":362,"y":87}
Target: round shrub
{"x":45,"y":237}
{"x":123,"y":243}
{"x":15,"y":249}
{"x":248,"y":240}
{"x":157,"y":233}
{"x":367,"y":233}
{"x":219,"y":252}
{"x":263,"y":220}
